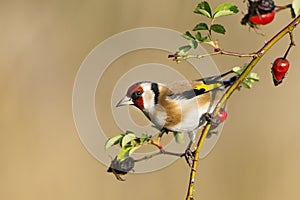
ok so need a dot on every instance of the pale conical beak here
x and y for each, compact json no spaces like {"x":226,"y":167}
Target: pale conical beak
{"x":125,"y":101}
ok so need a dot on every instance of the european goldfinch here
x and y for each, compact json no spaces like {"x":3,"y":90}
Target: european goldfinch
{"x":178,"y":106}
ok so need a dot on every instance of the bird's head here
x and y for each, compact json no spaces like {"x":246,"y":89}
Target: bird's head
{"x":142,"y":95}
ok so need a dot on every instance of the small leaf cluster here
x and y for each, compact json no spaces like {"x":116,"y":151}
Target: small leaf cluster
{"x":250,"y":78}
{"x":203,"y":8}
{"x":128,"y":142}
{"x":179,"y":137}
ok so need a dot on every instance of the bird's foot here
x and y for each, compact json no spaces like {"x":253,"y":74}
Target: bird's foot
{"x":189,"y":156}
{"x":214,"y":121}
{"x":210,"y":118}
{"x":162,"y":132}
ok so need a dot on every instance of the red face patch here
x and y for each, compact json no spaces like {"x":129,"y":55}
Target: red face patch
{"x":139,"y":103}
{"x":135,"y":93}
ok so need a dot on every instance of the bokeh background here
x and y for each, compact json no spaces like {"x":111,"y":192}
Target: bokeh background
{"x":43,"y":44}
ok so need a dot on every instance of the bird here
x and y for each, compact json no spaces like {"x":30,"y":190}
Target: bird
{"x":178,"y":106}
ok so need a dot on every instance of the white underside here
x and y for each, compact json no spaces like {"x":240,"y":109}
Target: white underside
{"x":191,"y":114}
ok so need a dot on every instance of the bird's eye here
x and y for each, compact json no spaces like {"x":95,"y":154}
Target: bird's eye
{"x":136,"y":95}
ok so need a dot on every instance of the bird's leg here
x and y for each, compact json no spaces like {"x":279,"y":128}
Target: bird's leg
{"x":189,"y":155}
{"x":164,"y":130}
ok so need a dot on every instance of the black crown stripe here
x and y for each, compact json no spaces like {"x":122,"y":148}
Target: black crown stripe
{"x":154,"y":88}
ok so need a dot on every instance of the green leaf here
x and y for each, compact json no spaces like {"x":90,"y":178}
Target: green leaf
{"x":253,"y":77}
{"x":133,"y":149}
{"x":203,"y":8}
{"x":127,"y":138}
{"x":179,"y":137}
{"x":225,"y":9}
{"x":141,"y":140}
{"x":144,"y":138}
{"x":218,"y":28}
{"x":113,"y":141}
{"x":188,"y":36}
{"x":183,"y":50}
{"x":192,"y":40}
{"x":200,"y":38}
{"x":296,"y":7}
{"x":123,"y":153}
{"x":200,"y":26}
{"x":247,"y":84}
{"x":238,"y":70}
{"x":193,"y":43}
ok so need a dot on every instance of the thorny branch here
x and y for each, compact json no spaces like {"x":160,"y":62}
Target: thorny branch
{"x":260,"y":53}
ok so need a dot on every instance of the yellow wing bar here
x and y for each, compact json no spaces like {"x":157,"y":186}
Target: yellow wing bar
{"x":207,"y":87}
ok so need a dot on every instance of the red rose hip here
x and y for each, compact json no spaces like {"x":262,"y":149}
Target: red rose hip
{"x":263,"y":18}
{"x":222,"y":115}
{"x":279,"y":69}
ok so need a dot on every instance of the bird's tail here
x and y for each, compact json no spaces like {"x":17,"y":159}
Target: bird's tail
{"x":230,"y":81}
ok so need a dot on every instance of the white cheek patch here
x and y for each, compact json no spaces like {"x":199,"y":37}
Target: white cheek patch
{"x":148,"y":101}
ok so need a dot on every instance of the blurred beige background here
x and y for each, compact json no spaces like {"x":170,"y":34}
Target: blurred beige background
{"x":43,"y":44}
